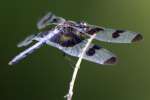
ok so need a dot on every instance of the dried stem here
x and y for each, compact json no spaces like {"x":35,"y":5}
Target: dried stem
{"x":77,"y":66}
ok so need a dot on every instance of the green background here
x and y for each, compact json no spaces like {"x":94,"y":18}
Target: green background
{"x":45,"y":74}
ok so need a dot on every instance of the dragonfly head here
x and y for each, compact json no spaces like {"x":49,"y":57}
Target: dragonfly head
{"x":82,"y":23}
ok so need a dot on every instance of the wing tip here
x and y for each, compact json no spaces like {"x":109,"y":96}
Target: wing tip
{"x":111,"y":61}
{"x":137,"y":38}
{"x":43,"y":20}
{"x":10,"y":63}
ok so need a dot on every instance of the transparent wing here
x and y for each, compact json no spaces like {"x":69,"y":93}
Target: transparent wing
{"x":28,"y":40}
{"x":114,"y":36}
{"x":41,"y":38}
{"x":49,"y":19}
{"x":94,"y":53}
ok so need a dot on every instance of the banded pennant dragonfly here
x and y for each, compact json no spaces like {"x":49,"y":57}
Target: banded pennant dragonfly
{"x":71,"y":37}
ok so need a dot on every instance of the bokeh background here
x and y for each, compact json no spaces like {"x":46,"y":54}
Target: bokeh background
{"x":45,"y":75}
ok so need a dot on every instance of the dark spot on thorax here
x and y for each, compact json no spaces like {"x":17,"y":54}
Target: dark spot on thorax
{"x":74,"y":39}
{"x":71,"y":37}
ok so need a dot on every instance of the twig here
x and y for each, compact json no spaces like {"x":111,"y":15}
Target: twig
{"x":77,"y":66}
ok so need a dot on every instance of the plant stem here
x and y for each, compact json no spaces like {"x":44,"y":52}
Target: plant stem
{"x":77,"y":66}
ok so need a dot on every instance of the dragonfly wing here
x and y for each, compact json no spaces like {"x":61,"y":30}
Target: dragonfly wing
{"x":28,"y":40}
{"x":49,"y":19}
{"x":114,"y":36}
{"x":94,"y":53}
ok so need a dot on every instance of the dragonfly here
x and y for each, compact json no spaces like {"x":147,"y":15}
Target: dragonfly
{"x":71,"y":37}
